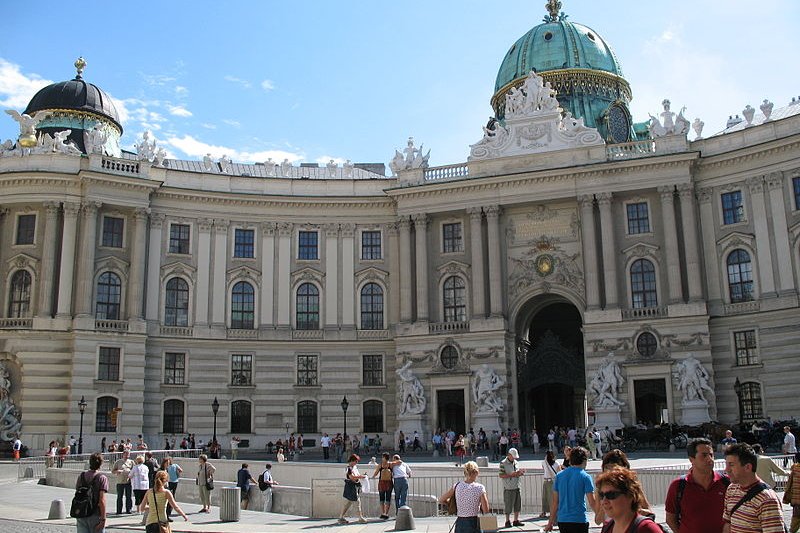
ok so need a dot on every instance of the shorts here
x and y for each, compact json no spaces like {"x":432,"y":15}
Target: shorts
{"x":245,"y":494}
{"x":385,"y":491}
{"x":512,"y":501}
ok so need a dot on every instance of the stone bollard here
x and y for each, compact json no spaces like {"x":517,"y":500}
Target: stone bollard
{"x":405,"y":519}
{"x":57,"y":511}
{"x":28,"y":472}
{"x":229,"y":504}
{"x":482,"y":461}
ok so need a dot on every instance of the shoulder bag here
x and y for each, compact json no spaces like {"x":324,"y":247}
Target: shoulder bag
{"x":209,"y":482}
{"x":452,"y":506}
{"x":163,"y":525}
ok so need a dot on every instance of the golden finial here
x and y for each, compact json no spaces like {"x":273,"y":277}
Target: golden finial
{"x":80,"y":64}
{"x":553,"y":7}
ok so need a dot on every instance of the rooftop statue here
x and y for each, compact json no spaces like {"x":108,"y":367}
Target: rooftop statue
{"x":95,"y":139}
{"x":348,"y":169}
{"x":670,"y":124}
{"x":286,"y":168}
{"x":145,"y":149}
{"x":413,"y":158}
{"x":208,"y":163}
{"x":27,"y":126}
{"x":697,"y":126}
{"x":766,"y":108}
{"x":224,"y":164}
{"x":62,"y":146}
{"x":331,"y":166}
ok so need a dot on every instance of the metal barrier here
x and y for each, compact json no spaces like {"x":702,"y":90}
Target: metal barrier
{"x":35,"y":467}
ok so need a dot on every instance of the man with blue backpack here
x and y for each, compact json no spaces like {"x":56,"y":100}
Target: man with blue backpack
{"x":89,"y":502}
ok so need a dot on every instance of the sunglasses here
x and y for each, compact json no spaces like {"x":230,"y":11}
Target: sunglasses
{"x":610,"y":495}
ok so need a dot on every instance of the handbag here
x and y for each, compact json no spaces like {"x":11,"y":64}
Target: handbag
{"x":163,"y":525}
{"x":350,"y":490}
{"x":452,"y":506}
{"x":209,"y":482}
{"x":487,"y":522}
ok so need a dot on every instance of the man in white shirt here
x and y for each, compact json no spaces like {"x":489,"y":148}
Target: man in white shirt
{"x":16,"y":447}
{"x":400,"y":474}
{"x":234,"y":447}
{"x":268,"y":483}
{"x":325,"y":442}
{"x":789,"y":445}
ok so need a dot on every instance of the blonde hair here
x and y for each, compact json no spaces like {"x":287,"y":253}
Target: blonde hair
{"x":139,"y":459}
{"x":470,"y":468}
{"x":161,"y":479}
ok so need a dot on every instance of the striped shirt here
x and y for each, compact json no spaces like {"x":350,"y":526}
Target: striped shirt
{"x":762,"y":514}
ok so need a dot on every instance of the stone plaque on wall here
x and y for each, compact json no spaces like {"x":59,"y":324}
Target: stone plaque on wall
{"x":543,"y":221}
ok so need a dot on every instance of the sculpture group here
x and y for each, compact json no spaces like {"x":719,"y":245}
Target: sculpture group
{"x":10,"y":423}
{"x":413,"y":158}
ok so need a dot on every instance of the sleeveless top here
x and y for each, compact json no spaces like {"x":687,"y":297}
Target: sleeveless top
{"x":161,"y":502}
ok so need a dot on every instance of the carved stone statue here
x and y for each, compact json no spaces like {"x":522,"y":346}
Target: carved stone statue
{"x":208,"y":163}
{"x":669,"y":124}
{"x":412,"y":395}
{"x":606,"y":383}
{"x":95,"y":139}
{"x":413,"y":158}
{"x":145,"y":149}
{"x":286,"y":167}
{"x":225,"y":164}
{"x":766,"y":108}
{"x":62,"y":146}
{"x":748,"y":112}
{"x":348,"y":169}
{"x":9,"y":414}
{"x":159,"y":157}
{"x":692,"y":379}
{"x":697,"y":126}
{"x":331,"y":166}
{"x":27,"y":126}
{"x":485,"y":390}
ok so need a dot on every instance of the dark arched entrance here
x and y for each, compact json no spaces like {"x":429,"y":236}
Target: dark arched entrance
{"x":551,"y":370}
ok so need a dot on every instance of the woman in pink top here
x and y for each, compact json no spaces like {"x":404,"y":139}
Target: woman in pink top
{"x":470,"y":498}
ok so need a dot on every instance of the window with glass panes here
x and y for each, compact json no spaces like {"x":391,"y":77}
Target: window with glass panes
{"x":307,"y":370}
{"x":451,"y":237}
{"x":638,"y":218}
{"x":173,"y":416}
{"x":108,"y":364}
{"x":370,"y":245}
{"x":455,"y":301}
{"x":796,"y":189}
{"x":372,"y":369}
{"x":371,"y":306}
{"x":109,"y":292}
{"x":243,"y":304}
{"x":113,"y":228}
{"x":103,"y":422}
{"x":307,"y":245}
{"x":241,"y":417}
{"x":732,"y":207}
{"x":244,"y":243}
{"x":449,"y":357}
{"x":643,"y":284}
{"x":373,"y":416}
{"x":740,"y":276}
{"x":20,"y":299}
{"x":26,"y":229}
{"x":179,"y":238}
{"x":241,"y":369}
{"x":746,"y":347}
{"x":307,"y":307}
{"x":307,"y":417}
{"x":175,"y":368}
{"x":750,"y":398}
{"x":176,"y":305}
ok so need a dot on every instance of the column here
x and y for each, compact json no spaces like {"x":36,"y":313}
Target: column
{"x":391,"y":299}
{"x":348,"y":275}
{"x":707,"y":226}
{"x":204,"y":226}
{"x":686,"y":192}
{"x":671,"y":253}
{"x":763,"y":254}
{"x":609,"y":249}
{"x":780,"y":232}
{"x":218,"y":294}
{"x":495,"y":266}
{"x":476,"y":247}
{"x":267,"y":297}
{"x":331,"y":294}
{"x":285,"y":230}
{"x":67,"y":267}
{"x":153,"y":292}
{"x":589,"y":242}
{"x":136,"y":281}
{"x":421,"y":238}
{"x":404,"y":225}
{"x":45,"y":308}
{"x":88,"y":245}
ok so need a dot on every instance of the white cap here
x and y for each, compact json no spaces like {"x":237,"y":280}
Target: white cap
{"x":513,"y":453}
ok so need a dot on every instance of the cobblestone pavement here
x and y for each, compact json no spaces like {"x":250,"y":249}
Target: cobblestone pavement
{"x":18,"y":526}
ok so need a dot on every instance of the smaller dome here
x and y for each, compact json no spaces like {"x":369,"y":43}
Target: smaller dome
{"x":75,"y":95}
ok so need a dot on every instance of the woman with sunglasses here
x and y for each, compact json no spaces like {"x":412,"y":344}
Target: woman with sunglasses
{"x":617,"y":459}
{"x":621,"y":499}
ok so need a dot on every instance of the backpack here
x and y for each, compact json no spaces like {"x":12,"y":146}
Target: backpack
{"x":682,"y":487}
{"x":83,"y":502}
{"x":262,"y":483}
{"x":634,"y":527}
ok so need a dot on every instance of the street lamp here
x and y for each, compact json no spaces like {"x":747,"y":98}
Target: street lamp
{"x":345,"y":405}
{"x":215,"y":409}
{"x":737,"y":388}
{"x":82,"y":407}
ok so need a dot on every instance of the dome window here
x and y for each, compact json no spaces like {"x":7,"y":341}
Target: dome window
{"x":548,"y":36}
{"x":590,"y":35}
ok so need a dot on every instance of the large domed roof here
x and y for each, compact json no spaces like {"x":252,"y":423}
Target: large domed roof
{"x":75,"y":95}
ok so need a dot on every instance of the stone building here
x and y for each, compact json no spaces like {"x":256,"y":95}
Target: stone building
{"x":486,"y":294}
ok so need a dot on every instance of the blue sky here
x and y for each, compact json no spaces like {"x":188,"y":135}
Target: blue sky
{"x":315,"y":80}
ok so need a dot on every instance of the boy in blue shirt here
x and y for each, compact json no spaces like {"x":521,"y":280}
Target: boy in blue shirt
{"x":572,"y":488}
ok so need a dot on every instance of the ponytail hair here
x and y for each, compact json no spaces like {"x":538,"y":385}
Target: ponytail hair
{"x":161,"y":479}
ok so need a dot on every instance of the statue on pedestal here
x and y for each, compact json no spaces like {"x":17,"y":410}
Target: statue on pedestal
{"x":605,"y":383}
{"x":692,"y":380}
{"x":485,"y":390}
{"x":412,"y":395}
{"x":9,"y":414}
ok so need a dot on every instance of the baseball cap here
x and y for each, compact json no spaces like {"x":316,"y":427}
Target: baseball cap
{"x":513,"y":453}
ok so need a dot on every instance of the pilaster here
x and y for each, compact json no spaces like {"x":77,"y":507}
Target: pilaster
{"x":707,"y":226}
{"x":219,"y":274}
{"x":695,"y":282}
{"x":421,"y":241}
{"x":88,"y":245}
{"x":285,"y":231}
{"x":476,"y":247}
{"x":136,"y":281}
{"x":348,"y":311}
{"x":609,"y":249}
{"x":67,"y":267}
{"x":759,"y":213}
{"x":267,"y":295}
{"x":45,"y":307}
{"x":495,"y":265}
{"x":780,"y":232}
{"x":404,"y":225}
{"x":204,"y":227}
{"x":589,"y":242}
{"x":671,"y":253}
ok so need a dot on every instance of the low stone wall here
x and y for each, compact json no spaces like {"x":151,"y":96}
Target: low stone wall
{"x":327,"y":501}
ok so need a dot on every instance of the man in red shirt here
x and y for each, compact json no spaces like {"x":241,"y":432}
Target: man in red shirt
{"x":699,"y":508}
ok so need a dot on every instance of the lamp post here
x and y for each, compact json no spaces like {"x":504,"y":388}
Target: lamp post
{"x":345,"y":405}
{"x":737,"y":388}
{"x":82,"y":407}
{"x":215,"y":409}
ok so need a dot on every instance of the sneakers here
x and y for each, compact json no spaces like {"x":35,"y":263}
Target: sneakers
{"x":517,"y":523}
{"x":343,"y":521}
{"x":508,"y":524}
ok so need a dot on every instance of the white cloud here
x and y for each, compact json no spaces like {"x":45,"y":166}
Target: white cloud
{"x":195,"y":148}
{"x":267,"y":85}
{"x":158,"y":79}
{"x":244,"y":83}
{"x":325,"y":159}
{"x":16,"y":88}
{"x":179,"y":111}
{"x":208,"y":126}
{"x":180,"y":90}
{"x":231,"y":122}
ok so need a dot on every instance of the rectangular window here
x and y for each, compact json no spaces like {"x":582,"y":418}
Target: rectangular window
{"x":732,"y":207}
{"x":179,"y":238}
{"x":307,"y":370}
{"x":307,"y":245}
{"x":175,"y":368}
{"x":796,"y":189}
{"x":746,"y":347}
{"x":638,"y":218}
{"x":244,"y":243}
{"x":26,"y":229}
{"x":113,"y":228}
{"x":241,"y":369}
{"x":108,"y":365}
{"x":372,"y":370}
{"x":451,"y":238}
{"x":370,"y":245}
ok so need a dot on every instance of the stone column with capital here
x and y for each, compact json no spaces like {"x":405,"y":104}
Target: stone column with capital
{"x":88,"y":245}
{"x":609,"y":249}
{"x":267,"y":273}
{"x":695,"y":282}
{"x":67,"y":266}
{"x":136,"y":281}
{"x":153,"y":291}
{"x":589,"y":242}
{"x":393,"y":296}
{"x":707,"y":227}
{"x":421,"y":241}
{"x":783,"y":246}
{"x":476,"y":249}
{"x":404,"y":226}
{"x":766,"y":276}
{"x":331,"y":276}
{"x":285,"y":230}
{"x":671,"y":253}
{"x":204,"y":227}
{"x":495,"y":264}
{"x":218,"y":293}
{"x":45,"y":308}
{"x":348,"y":308}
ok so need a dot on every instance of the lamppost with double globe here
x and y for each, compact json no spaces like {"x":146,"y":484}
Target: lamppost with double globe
{"x":345,"y":405}
{"x":215,"y":409}
{"x":82,"y":407}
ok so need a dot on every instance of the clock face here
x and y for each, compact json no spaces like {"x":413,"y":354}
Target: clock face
{"x":544,"y":265}
{"x":619,"y":126}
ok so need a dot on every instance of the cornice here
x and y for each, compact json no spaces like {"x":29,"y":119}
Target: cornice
{"x":333,"y":202}
{"x":757,"y":152}
{"x":135,"y":184}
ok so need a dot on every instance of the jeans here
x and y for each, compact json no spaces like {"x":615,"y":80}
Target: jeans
{"x":173,"y":488}
{"x":267,"y":500}
{"x":467,"y":524}
{"x":400,"y":491}
{"x":124,"y":489}
{"x":573,"y":527}
{"x":89,"y":524}
{"x":326,"y":452}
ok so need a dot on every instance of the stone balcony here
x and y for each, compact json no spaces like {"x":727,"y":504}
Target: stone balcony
{"x":118,"y":326}
{"x":645,"y":313}
{"x":446,"y":328}
{"x":16,"y":323}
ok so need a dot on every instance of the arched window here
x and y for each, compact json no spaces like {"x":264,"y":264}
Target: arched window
{"x":455,"y":300}
{"x":740,"y":276}
{"x":243,"y":301}
{"x":750,"y":399}
{"x":19,"y":303}
{"x":307,"y":417}
{"x":371,"y":306}
{"x":104,"y":422}
{"x":373,"y":416}
{"x":240,"y":417}
{"x":173,"y":416}
{"x":643,"y":284}
{"x":449,"y":357}
{"x":109,"y":290}
{"x":307,"y":307}
{"x":176,"y":308}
